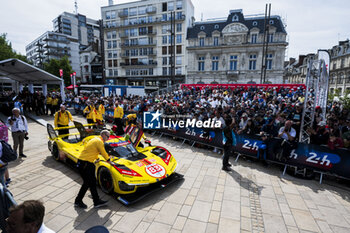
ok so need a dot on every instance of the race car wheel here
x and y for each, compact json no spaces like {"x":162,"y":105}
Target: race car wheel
{"x":55,"y":153}
{"x":105,"y":180}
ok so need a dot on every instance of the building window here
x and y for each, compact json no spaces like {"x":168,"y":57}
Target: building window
{"x":115,"y":63}
{"x":233,"y":62}
{"x":164,"y":6}
{"x":164,"y":39}
{"x":114,"y":44}
{"x":201,"y":42}
{"x":178,"y":60}
{"x":202,"y":28}
{"x":252,"y":62}
{"x":216,"y":41}
{"x":109,"y":44}
{"x":178,"y":71}
{"x":179,"y":15}
{"x":255,"y":23}
{"x":110,"y":62}
{"x":164,"y":50}
{"x":165,"y":29}
{"x":165,"y":61}
{"x":271,"y":22}
{"x":215,"y":63}
{"x":110,"y":54}
{"x":178,"y":39}
{"x":165,"y":71}
{"x":269,"y":61}
{"x":110,"y":72}
{"x":201,"y":63}
{"x":86,"y":57}
{"x":270,"y":38}
{"x":253,"y":38}
{"x":178,"y":49}
{"x":216,"y":26}
{"x":164,"y":17}
{"x":178,"y":4}
{"x":179,"y":27}
{"x":170,"y":6}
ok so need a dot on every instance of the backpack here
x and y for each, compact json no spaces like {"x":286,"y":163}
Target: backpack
{"x":8,"y":154}
{"x":6,"y":201}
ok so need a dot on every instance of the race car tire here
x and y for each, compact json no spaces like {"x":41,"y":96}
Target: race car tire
{"x":105,"y":180}
{"x":55,"y":152}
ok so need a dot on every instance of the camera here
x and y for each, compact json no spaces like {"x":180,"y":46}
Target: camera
{"x":26,"y":137}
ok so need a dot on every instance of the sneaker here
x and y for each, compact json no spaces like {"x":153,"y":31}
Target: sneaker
{"x":23,"y":156}
{"x":80,"y":204}
{"x":100,"y":203}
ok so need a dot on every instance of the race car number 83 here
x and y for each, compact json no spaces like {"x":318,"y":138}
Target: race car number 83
{"x":155,"y":170}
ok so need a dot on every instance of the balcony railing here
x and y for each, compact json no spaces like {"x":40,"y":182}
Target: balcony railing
{"x":154,"y":63}
{"x":151,"y":10}
{"x":138,"y":45}
{"x":123,"y":14}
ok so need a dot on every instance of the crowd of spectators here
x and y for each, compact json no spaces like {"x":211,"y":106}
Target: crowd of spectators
{"x":254,"y":110}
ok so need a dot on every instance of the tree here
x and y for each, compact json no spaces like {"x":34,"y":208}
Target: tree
{"x":344,"y":100}
{"x":54,"y":66}
{"x":6,"y":50}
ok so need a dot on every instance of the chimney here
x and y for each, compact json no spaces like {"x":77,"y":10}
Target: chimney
{"x":110,"y":2}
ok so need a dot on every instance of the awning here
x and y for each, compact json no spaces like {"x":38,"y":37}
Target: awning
{"x":25,"y":73}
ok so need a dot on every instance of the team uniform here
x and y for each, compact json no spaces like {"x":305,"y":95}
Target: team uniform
{"x":62,"y":120}
{"x":118,"y":116}
{"x":86,"y":166}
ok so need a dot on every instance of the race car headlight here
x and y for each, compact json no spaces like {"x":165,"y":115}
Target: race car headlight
{"x":125,"y":187}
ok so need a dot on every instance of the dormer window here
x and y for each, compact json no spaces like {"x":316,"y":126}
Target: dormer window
{"x":216,"y":26}
{"x":255,"y":23}
{"x":202,"y":28}
{"x":271,"y":22}
{"x":235,"y":18}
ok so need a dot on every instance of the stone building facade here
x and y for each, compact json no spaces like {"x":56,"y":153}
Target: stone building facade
{"x":230,"y":50}
{"x":340,"y":68}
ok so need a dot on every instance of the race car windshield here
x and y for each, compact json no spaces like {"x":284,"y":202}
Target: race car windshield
{"x":128,"y":152}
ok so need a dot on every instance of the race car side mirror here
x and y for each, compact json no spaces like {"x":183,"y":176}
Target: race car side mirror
{"x":148,"y":142}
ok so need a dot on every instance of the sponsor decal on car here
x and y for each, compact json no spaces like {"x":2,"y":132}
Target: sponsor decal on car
{"x":155,"y":170}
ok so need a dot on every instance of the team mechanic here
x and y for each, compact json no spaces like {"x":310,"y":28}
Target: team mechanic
{"x":86,"y":166}
{"x":62,"y":119}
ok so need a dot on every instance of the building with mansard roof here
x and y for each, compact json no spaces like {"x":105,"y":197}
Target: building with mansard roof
{"x":230,"y":50}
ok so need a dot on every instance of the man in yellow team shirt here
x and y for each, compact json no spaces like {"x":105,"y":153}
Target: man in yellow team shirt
{"x":54,"y":105}
{"x":90,"y":114}
{"x":48,"y":104}
{"x":62,"y":119}
{"x":118,"y":116}
{"x":86,"y":166}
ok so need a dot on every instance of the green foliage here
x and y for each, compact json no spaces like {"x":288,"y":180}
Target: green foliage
{"x":54,"y":66}
{"x":6,"y":50}
{"x":344,"y":100}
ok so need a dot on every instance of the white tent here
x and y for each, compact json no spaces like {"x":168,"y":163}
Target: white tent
{"x":25,"y":73}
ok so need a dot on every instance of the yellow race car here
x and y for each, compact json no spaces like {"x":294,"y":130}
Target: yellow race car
{"x":134,"y":170}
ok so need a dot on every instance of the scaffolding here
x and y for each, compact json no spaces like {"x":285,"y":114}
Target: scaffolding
{"x":316,"y":93}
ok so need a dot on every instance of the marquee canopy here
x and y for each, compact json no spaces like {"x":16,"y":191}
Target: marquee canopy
{"x":25,"y":73}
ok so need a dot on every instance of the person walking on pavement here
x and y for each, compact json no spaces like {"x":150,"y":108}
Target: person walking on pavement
{"x":118,"y":116}
{"x":19,"y":128}
{"x":62,"y":119}
{"x":86,"y":166}
{"x":228,"y":143}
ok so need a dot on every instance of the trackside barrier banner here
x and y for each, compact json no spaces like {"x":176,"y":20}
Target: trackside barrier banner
{"x":317,"y":158}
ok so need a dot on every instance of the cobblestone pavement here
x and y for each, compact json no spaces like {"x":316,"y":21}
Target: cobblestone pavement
{"x":250,"y":198}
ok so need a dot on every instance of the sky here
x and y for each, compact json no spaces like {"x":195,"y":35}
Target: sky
{"x":311,"y":24}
